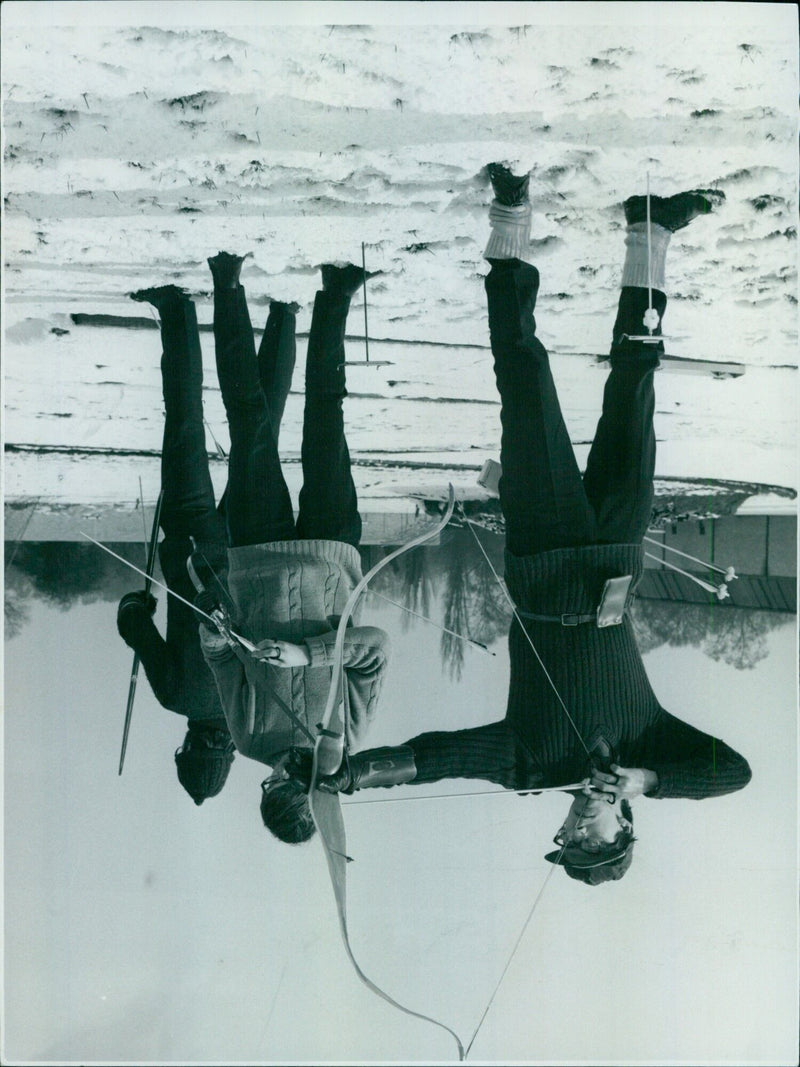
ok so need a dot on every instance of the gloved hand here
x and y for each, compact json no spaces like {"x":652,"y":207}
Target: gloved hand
{"x":130,"y":609}
{"x":298,"y":766}
{"x":206,"y":601}
{"x":140,"y":599}
{"x":365,"y":770}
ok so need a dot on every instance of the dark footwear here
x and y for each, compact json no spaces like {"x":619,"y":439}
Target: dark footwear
{"x":225,"y":269}
{"x":160,"y":295}
{"x":673,"y":212}
{"x":508,"y":189}
{"x":292,"y":306}
{"x":346,"y":280}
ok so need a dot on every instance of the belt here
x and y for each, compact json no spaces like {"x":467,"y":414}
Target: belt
{"x":567,"y":619}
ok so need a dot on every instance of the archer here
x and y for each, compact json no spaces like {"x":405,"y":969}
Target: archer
{"x":286,"y":583}
{"x":580,"y":703}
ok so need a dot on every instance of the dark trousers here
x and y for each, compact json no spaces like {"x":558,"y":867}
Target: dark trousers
{"x":189,"y":508}
{"x":545,"y":501}
{"x":258,"y":505}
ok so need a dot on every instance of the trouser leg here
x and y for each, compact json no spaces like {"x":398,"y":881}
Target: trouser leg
{"x":188,"y":507}
{"x":328,"y":501}
{"x":541,"y":490}
{"x":276,"y":359}
{"x":621,"y":463}
{"x":258,"y":507}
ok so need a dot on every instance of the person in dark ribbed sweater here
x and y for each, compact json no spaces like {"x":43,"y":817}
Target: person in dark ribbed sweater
{"x":598,"y":720}
{"x":287,"y":582}
{"x":175,"y":667}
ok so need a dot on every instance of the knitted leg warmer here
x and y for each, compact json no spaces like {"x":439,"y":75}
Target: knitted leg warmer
{"x":511,"y":232}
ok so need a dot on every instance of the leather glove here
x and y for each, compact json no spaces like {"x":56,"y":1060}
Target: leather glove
{"x":206,"y":601}
{"x":298,"y":766}
{"x":366,"y":770}
{"x":370,"y":769}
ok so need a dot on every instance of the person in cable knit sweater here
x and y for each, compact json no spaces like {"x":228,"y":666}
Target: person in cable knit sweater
{"x":288,"y":582}
{"x":567,"y":535}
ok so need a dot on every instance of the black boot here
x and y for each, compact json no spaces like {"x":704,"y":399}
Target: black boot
{"x":509,"y":190}
{"x":225,"y":269}
{"x":673,"y":212}
{"x":160,"y":296}
{"x":346,"y":280}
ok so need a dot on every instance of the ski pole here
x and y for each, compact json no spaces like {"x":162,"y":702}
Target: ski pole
{"x":729,"y":573}
{"x":242,"y":640}
{"x":720,"y":591}
{"x":366,"y":331}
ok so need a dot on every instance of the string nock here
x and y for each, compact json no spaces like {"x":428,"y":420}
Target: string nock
{"x":651,"y":319}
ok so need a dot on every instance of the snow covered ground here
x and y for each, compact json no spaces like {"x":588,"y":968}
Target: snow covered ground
{"x":157,"y":145}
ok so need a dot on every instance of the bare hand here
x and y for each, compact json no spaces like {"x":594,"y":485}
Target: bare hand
{"x":622,"y":782}
{"x":281,"y":653}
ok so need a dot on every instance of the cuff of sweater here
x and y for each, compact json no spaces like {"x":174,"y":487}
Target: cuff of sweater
{"x":318,"y":649}
{"x":665,"y":787}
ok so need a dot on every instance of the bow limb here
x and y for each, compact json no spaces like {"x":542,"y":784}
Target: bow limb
{"x":337,"y":681}
{"x":325,"y":807}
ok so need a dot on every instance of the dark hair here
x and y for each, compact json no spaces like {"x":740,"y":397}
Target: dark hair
{"x":609,"y":872}
{"x":286,"y":813}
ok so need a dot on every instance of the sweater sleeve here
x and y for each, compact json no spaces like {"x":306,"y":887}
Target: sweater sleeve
{"x":490,"y":752}
{"x":690,"y":763}
{"x":141,"y":634}
{"x":366,"y":649}
{"x":366,"y":653}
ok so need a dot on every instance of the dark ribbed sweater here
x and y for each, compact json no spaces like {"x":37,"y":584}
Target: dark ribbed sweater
{"x":175,"y":667}
{"x":601,"y":678}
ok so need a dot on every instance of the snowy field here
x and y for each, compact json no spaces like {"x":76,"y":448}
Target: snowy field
{"x":158,"y":144}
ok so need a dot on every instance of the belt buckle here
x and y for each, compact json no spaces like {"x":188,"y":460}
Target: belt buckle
{"x":569,"y":619}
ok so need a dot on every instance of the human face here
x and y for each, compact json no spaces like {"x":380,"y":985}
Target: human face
{"x":279,"y":774}
{"x":591,"y":823}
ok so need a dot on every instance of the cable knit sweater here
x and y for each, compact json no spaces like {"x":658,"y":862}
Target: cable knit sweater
{"x":600,"y":676}
{"x":293,"y":591}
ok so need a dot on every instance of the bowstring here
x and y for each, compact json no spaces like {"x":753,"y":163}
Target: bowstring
{"x":578,"y":734}
{"x":525,"y":925}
